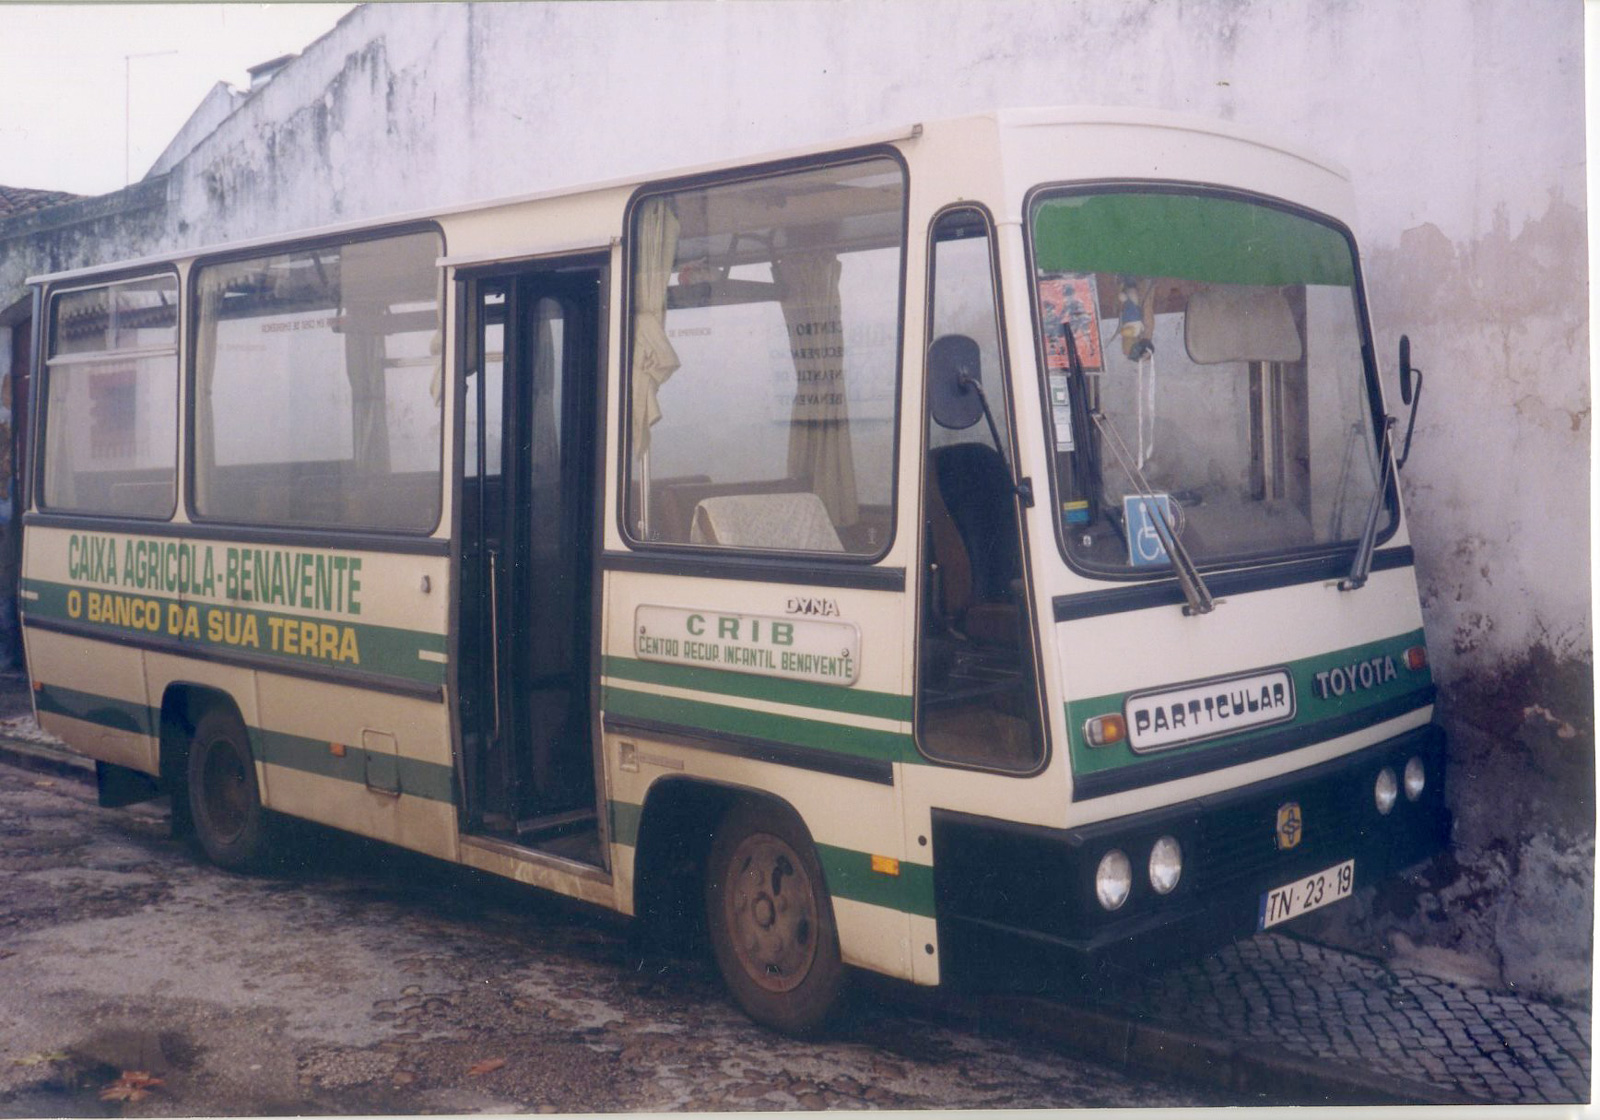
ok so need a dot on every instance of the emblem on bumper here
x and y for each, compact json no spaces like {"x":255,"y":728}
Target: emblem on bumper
{"x":1290,"y":825}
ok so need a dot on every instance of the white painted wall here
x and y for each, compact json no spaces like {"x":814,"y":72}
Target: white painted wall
{"x":1458,"y":121}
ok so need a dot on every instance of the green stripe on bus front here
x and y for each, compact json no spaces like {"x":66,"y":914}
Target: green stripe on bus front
{"x":1310,"y":707}
{"x":415,"y":655}
{"x":804,"y":694}
{"x":849,"y":873}
{"x":891,"y":746}
{"x":417,"y":778}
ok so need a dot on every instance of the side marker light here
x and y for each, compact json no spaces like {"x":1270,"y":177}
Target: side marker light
{"x":1417,"y":658}
{"x":1103,"y":731}
{"x":886,"y":865}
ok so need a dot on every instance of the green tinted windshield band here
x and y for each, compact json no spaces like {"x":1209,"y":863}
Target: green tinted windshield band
{"x":1192,"y":237}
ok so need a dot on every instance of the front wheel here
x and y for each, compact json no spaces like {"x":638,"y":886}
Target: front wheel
{"x":224,"y":800}
{"x":771,"y":921}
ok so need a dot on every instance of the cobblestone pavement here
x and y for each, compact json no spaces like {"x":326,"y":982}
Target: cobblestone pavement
{"x":1326,"y":1004}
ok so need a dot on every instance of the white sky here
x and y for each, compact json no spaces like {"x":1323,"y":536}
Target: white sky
{"x":63,"y":79}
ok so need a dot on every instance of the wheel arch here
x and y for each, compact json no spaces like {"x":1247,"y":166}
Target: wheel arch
{"x":183,"y":704}
{"x":677,"y":825}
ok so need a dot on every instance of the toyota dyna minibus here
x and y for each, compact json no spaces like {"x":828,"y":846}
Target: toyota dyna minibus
{"x":976,"y":546}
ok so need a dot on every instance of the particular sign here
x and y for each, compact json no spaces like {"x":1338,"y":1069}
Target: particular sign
{"x":808,"y":649}
{"x":1158,"y":720}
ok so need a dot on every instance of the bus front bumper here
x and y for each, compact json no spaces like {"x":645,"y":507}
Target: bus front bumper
{"x":1017,"y":905}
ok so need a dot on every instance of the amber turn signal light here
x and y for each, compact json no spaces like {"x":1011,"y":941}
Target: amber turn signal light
{"x":1103,"y":731}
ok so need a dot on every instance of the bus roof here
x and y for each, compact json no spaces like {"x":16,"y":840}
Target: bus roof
{"x":1005,"y":119}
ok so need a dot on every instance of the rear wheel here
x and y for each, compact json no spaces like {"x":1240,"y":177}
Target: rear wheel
{"x":771,"y":921}
{"x":224,"y":800}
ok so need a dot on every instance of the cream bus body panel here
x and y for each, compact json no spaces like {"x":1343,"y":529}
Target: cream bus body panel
{"x":851,"y":820}
{"x":1057,"y":146}
{"x":113,"y":675}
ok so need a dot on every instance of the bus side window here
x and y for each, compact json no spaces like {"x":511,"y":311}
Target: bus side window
{"x":976,"y":699}
{"x":763,"y":353}
{"x":111,"y":400}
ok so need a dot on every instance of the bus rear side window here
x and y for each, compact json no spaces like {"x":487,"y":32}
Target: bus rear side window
{"x":111,"y":400}
{"x":318,"y":387}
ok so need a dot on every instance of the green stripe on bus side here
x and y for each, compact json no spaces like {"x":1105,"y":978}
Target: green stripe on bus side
{"x":1309,"y":708}
{"x":751,"y":686}
{"x":850,"y":875}
{"x":388,"y":650}
{"x":418,"y":778}
{"x":890,"y":746}
{"x":848,"y":872}
{"x":102,"y":711}
{"x":429,"y":780}
{"x":625,"y":817}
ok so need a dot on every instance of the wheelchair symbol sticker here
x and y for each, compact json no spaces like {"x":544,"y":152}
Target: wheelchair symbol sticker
{"x":1145,"y":549}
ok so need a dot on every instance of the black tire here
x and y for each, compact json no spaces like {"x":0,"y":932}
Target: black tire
{"x":224,"y":800}
{"x":771,"y":921}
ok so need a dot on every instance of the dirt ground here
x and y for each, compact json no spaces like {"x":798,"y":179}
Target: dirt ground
{"x":359,"y":979}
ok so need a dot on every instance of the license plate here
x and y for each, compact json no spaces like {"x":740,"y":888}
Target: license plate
{"x":1307,"y":893}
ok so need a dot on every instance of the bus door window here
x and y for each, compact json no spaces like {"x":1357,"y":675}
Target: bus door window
{"x":482,"y":548}
{"x":976,"y":699}
{"x":526,"y":558}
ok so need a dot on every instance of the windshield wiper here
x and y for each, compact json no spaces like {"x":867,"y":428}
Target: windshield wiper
{"x":1361,"y":566}
{"x":1195,"y":592}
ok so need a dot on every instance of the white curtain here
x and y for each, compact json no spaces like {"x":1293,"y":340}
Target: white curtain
{"x":819,"y":428}
{"x":213,"y":285}
{"x":654,"y":359}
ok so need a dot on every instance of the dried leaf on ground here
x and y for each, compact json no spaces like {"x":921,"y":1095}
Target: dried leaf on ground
{"x":488,"y":1065}
{"x":40,"y":1059}
{"x":133,"y":1085}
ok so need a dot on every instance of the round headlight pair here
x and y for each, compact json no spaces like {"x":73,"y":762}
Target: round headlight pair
{"x":1386,"y":790}
{"x":1113,"y":878}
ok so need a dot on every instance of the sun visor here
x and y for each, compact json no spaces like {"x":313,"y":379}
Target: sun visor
{"x":1240,"y":324}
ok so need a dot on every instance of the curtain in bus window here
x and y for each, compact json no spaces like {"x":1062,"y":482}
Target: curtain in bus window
{"x":819,"y":432}
{"x":212,"y":286}
{"x":363,"y":356}
{"x":654,"y":360}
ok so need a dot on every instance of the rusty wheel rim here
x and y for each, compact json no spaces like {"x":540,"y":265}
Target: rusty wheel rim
{"x":771,"y":912}
{"x":225,"y":790}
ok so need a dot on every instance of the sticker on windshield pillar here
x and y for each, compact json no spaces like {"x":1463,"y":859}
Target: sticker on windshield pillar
{"x":1145,"y":549}
{"x":1174,"y":716}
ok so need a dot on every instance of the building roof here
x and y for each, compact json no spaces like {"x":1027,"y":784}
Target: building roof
{"x":25,"y":200}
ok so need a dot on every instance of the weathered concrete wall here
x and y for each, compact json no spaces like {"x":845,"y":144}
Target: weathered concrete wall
{"x":1457,"y":119}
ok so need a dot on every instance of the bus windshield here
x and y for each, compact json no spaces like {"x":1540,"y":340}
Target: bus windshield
{"x":1204,"y":363}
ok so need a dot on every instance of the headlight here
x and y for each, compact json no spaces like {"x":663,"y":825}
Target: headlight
{"x":1166,"y":864}
{"x":1113,"y":879}
{"x":1385,"y":790}
{"x":1416,"y":778}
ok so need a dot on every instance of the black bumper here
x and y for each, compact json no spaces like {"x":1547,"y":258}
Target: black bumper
{"x":1017,"y":907}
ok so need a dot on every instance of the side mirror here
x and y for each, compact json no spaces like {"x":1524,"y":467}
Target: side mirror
{"x":1410,"y":393}
{"x":955,"y":382}
{"x":1405,"y":369}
